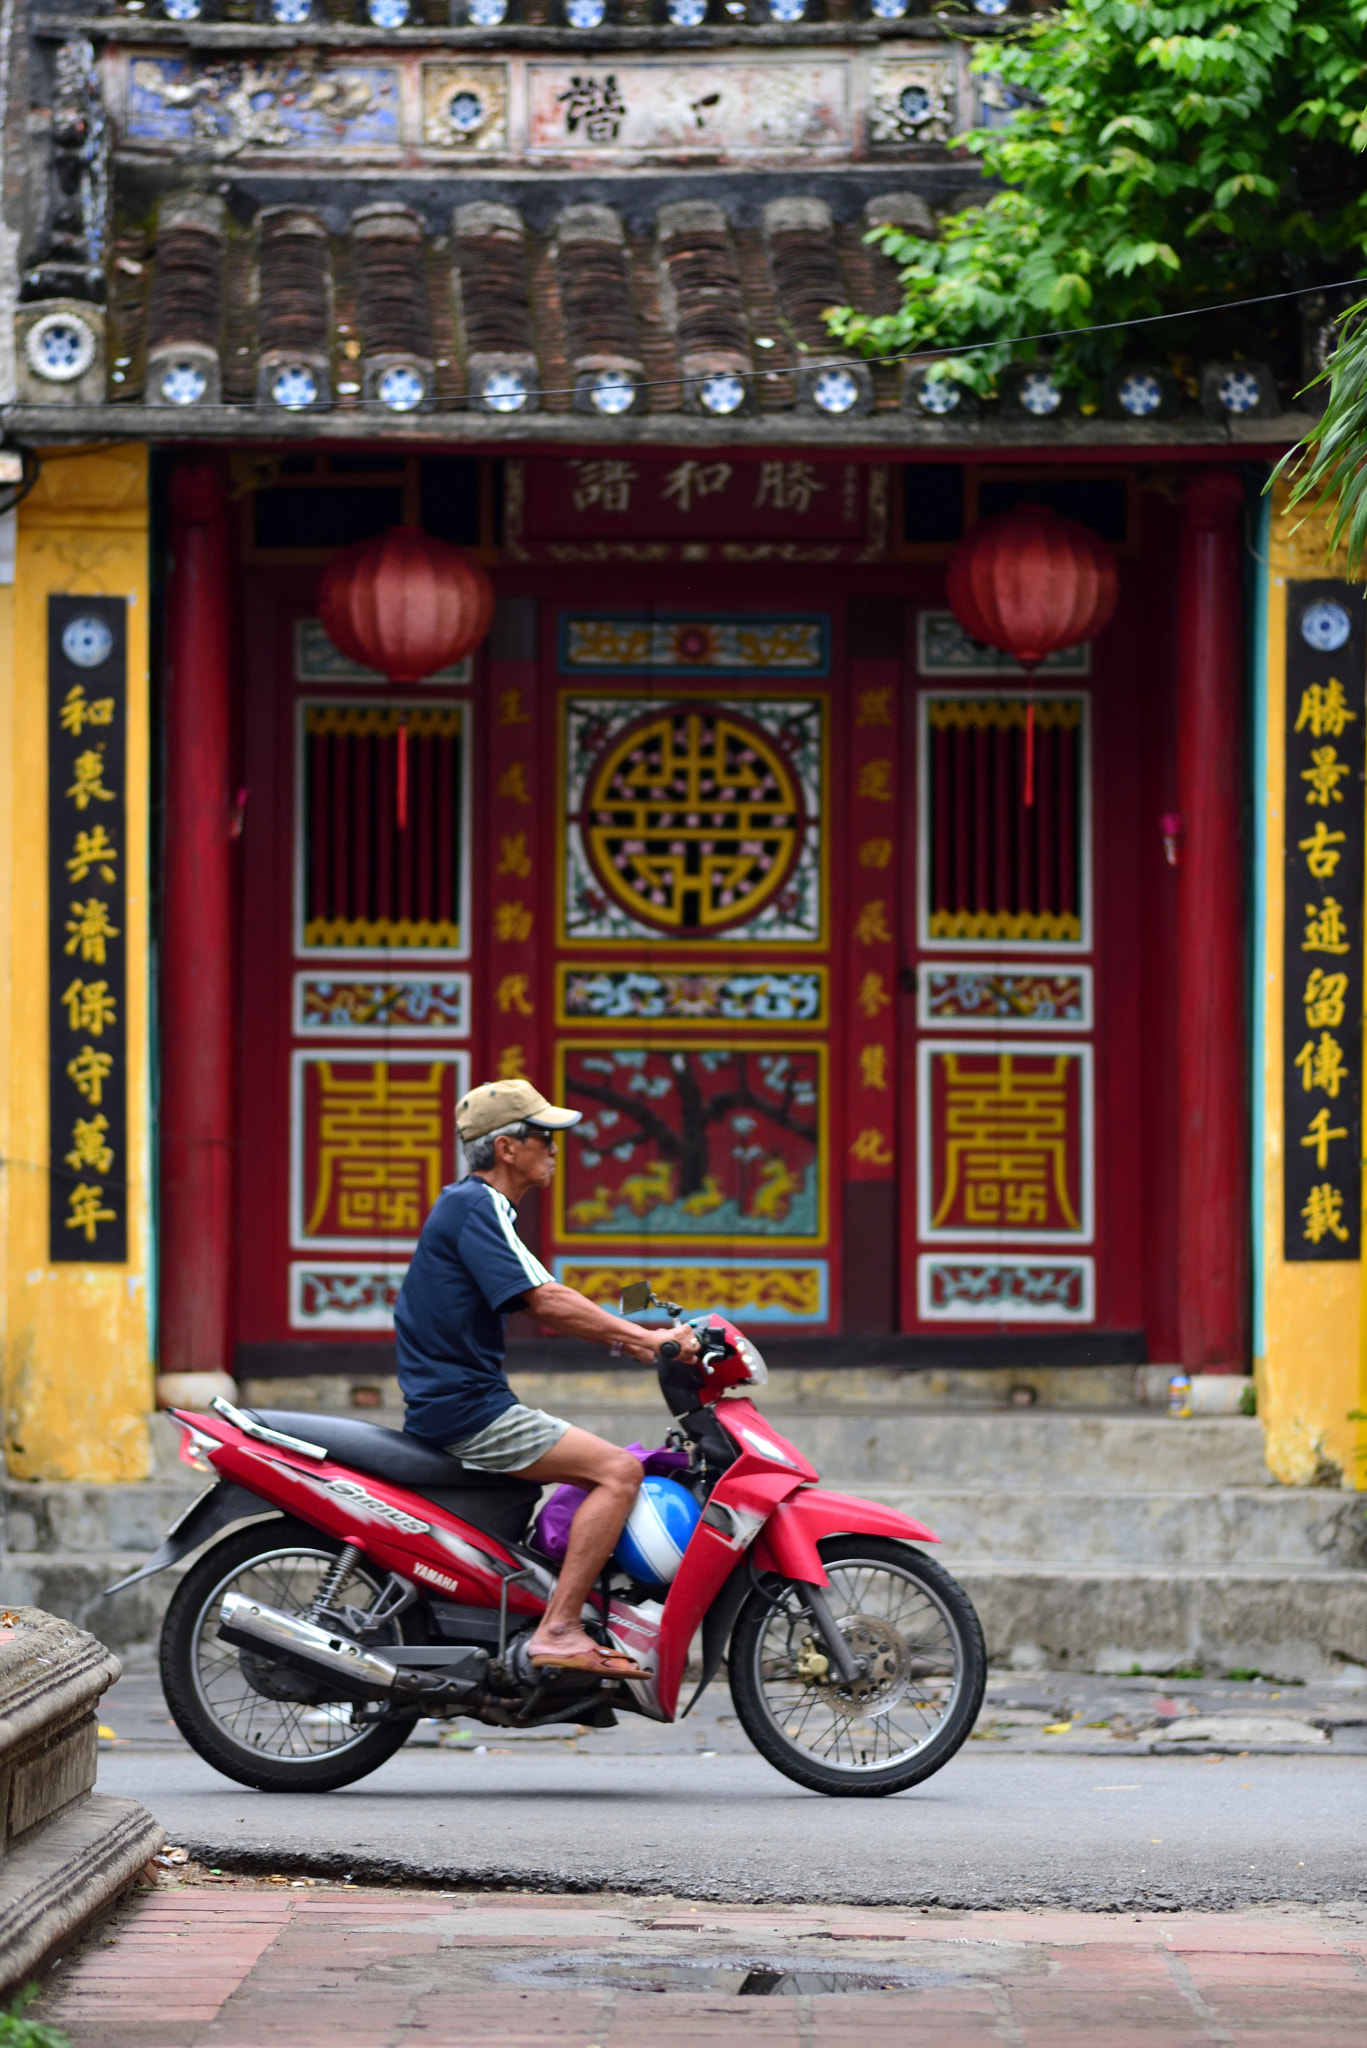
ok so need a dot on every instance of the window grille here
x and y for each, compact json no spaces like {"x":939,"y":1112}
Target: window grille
{"x":371,"y":879}
{"x":999,"y":868}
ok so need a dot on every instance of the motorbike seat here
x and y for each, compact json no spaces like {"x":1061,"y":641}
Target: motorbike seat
{"x":495,"y":1501}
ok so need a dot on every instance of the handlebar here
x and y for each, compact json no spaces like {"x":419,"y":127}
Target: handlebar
{"x":668,"y":1350}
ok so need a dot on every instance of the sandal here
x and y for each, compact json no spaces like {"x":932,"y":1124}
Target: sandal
{"x":602,"y":1663}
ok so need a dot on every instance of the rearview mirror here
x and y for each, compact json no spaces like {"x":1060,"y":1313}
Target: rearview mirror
{"x":636,"y":1297}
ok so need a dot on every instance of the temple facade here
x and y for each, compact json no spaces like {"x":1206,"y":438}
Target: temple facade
{"x":724,"y":836}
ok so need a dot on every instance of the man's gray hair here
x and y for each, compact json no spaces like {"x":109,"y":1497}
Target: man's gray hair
{"x":479,"y":1152}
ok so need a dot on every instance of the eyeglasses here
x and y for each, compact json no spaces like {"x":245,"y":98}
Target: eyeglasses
{"x":536,"y":1131}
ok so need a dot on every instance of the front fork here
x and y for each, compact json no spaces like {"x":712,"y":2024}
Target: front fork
{"x":847,"y":1665}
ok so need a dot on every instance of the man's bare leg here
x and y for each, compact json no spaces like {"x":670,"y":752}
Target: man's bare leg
{"x":613,"y":1479}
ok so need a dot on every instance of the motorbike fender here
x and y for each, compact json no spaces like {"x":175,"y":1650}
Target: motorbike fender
{"x":211,"y":1512}
{"x":718,"y":1623}
{"x":787,"y":1544}
{"x":709,"y":1561}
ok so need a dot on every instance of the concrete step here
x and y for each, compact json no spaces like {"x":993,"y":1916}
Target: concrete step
{"x":71,"y":1584}
{"x":860,"y":1441}
{"x":846,"y":1386}
{"x":1091,"y":1540}
{"x":863,"y":1424}
{"x":1286,"y":1623}
{"x":1045,"y":1449}
{"x":1272,"y":1526}
{"x":69,"y":1516}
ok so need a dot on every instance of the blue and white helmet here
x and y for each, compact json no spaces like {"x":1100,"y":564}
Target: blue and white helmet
{"x":652,"y":1545}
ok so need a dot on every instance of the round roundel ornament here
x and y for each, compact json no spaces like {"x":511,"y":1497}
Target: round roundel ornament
{"x":87,"y":641}
{"x":693,"y":819}
{"x":657,"y":1532}
{"x":405,"y":604}
{"x":1031,"y":583}
{"x":1325,"y":627}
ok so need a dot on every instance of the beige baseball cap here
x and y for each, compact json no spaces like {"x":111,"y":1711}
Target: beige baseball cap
{"x":495,"y":1103}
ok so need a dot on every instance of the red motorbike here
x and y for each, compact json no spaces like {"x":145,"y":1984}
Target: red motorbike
{"x":358,"y":1579}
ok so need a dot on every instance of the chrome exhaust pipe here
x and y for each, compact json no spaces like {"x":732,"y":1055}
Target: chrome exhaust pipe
{"x":249,"y":1625}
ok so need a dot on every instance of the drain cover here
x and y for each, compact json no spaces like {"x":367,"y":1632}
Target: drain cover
{"x":741,"y":1976}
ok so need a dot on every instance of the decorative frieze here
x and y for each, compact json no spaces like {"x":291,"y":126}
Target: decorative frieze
{"x":734,"y":105}
{"x":770,"y":1291}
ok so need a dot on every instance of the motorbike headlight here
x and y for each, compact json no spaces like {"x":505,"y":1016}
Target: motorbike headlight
{"x":753,"y":1360}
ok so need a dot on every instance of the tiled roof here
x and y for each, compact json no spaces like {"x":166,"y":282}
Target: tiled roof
{"x":660,"y":306}
{"x":558,"y":313}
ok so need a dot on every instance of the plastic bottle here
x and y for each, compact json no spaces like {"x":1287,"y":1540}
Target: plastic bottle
{"x":1179,"y":1395}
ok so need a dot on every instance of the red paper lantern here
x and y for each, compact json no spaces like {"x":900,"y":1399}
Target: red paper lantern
{"x":1031,"y":582}
{"x":405,"y":604}
{"x":408,"y":606}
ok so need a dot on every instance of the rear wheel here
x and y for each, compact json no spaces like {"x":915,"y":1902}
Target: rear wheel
{"x":924,"y":1671}
{"x":233,"y":1708}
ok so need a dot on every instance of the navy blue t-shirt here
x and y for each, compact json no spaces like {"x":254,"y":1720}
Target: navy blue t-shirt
{"x":469,"y":1270}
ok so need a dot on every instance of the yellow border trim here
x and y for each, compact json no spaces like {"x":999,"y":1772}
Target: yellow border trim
{"x":1311,"y":1380}
{"x":77,"y":1371}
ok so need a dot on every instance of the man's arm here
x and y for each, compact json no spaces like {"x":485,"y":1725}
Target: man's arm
{"x":574,"y":1315}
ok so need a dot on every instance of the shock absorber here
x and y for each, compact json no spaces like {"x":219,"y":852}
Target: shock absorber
{"x":333,"y":1581}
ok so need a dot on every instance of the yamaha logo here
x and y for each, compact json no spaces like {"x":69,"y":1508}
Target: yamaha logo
{"x":350,"y":1491}
{"x":434,"y":1577}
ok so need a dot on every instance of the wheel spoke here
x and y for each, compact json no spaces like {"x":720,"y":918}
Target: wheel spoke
{"x":915,"y":1652}
{"x":283,"y":1729}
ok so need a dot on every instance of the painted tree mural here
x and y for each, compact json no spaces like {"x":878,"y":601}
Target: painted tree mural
{"x":694,"y":1141}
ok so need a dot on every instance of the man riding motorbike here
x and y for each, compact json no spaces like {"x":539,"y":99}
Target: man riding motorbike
{"x":469,"y":1272}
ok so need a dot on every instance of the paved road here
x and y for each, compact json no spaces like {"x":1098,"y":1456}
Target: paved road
{"x":692,"y":1811}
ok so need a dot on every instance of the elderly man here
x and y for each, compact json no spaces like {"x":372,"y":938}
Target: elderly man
{"x":469,"y":1271}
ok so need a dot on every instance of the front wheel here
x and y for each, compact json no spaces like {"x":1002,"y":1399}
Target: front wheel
{"x":258,"y":1722}
{"x":925,"y":1668}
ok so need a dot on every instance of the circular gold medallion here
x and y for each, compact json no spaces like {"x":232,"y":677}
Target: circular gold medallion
{"x":693,"y":819}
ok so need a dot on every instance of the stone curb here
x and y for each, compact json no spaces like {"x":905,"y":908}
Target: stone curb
{"x":54,"y":1885}
{"x":367,"y":1868}
{"x":64,"y":1854}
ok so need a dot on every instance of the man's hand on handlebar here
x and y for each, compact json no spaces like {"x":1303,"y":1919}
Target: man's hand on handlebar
{"x":681,"y":1336}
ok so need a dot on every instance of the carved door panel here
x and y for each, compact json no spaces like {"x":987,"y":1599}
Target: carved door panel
{"x":695,"y":971}
{"x":1021,"y":1183}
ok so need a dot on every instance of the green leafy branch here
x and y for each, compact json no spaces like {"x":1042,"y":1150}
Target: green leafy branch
{"x":1159,"y":157}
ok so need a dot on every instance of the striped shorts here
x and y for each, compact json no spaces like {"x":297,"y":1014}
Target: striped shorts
{"x":512,"y":1441}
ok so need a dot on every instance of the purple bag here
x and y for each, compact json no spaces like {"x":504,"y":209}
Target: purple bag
{"x":550,"y":1532}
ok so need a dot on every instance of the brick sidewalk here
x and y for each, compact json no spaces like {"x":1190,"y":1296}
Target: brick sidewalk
{"x":255,"y":1964}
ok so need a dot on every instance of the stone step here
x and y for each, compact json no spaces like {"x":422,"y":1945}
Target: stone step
{"x":71,"y":1584}
{"x":1002,"y":1451}
{"x":865,"y":1430}
{"x":964,"y":1459}
{"x":847,"y":1386}
{"x":68,"y":1515}
{"x":1267,"y":1526}
{"x":1134,"y":1450}
{"x":1286,"y":1624}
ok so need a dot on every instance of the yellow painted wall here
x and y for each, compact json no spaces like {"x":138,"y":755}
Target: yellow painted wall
{"x":77,"y":1371}
{"x":1311,"y":1381}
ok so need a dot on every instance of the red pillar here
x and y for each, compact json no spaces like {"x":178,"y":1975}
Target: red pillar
{"x":196,"y":936}
{"x":1213,"y":1270}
